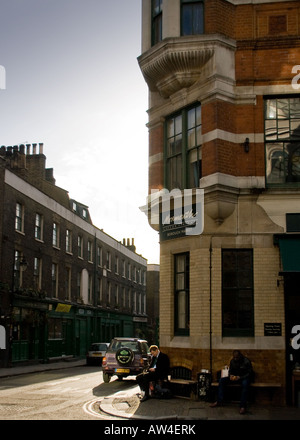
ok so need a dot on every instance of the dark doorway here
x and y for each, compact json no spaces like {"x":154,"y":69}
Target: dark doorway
{"x":292,"y":319}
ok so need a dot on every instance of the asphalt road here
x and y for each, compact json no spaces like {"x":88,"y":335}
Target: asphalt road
{"x":67,"y":394}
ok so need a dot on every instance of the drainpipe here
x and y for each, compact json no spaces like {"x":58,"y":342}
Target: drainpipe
{"x":210,"y":304}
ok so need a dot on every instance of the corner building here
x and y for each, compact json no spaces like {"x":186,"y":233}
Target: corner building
{"x":224,"y":116}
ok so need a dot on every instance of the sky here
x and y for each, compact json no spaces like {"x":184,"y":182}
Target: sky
{"x":70,"y":80}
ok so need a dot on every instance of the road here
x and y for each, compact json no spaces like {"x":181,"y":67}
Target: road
{"x":67,"y":394}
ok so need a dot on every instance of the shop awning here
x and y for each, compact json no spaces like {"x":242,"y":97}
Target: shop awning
{"x":290,"y":253}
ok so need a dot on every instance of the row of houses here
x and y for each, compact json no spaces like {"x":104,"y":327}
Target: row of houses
{"x":64,"y":283}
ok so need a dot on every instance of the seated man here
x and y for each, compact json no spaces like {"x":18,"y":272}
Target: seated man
{"x":158,"y":370}
{"x":240,"y":370}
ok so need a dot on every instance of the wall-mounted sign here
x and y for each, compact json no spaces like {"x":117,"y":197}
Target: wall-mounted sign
{"x":272,"y":329}
{"x":63,"y":308}
{"x":180,"y":222}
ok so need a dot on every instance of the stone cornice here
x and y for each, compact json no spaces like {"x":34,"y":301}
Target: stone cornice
{"x":176,"y":63}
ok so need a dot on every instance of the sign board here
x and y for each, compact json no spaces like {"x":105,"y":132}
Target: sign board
{"x":179,"y":222}
{"x":272,"y":329}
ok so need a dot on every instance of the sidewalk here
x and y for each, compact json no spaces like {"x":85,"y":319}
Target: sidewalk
{"x":127,"y":405}
{"x":25,"y":369}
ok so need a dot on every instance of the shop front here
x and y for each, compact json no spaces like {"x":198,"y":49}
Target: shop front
{"x":42,"y":330}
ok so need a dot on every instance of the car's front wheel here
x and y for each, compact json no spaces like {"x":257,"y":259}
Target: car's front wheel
{"x":106,"y":377}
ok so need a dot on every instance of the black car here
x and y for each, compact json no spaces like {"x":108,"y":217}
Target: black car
{"x":125,"y":357}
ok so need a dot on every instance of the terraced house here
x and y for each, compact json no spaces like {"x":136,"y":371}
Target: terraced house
{"x":64,"y":283}
{"x":224,"y":117}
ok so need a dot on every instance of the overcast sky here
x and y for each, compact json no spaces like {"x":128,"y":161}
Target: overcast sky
{"x":73,"y":83}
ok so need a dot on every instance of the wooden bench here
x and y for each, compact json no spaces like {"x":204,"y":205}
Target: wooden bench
{"x":181,"y":383}
{"x":270,"y":386}
{"x":190,"y":385}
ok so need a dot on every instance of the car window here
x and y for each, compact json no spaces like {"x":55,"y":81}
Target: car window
{"x":116,"y":345}
{"x":102,"y":347}
{"x":144,"y":348}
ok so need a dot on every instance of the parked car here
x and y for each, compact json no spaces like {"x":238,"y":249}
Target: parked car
{"x":96,"y":353}
{"x":125,"y":357}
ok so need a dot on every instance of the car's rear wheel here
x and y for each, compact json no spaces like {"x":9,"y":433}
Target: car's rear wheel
{"x":106,"y":377}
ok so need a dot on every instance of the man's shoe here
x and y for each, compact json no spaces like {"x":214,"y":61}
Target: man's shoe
{"x":146,"y":397}
{"x":242,"y":411}
{"x":214,"y":405}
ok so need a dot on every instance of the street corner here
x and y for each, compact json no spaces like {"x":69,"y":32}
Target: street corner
{"x":125,"y":406}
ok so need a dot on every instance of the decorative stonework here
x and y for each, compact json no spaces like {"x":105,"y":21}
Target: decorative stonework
{"x":171,"y":66}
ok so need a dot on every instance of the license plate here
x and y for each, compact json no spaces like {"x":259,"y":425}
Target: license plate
{"x":97,"y":354}
{"x":122,"y":370}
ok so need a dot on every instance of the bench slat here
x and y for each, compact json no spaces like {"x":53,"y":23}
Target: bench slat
{"x":254,"y":384}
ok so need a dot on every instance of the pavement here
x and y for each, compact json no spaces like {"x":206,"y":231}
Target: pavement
{"x":127,"y":404}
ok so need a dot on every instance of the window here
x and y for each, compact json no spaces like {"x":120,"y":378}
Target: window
{"x":38,"y":227}
{"x":182,"y":294}
{"x":116,"y":296}
{"x":282,"y":141}
{"x":68,"y":283}
{"x":54,"y":279}
{"x":123,"y":297}
{"x":129,"y":271}
{"x":18,"y":270}
{"x":79,"y":285}
{"x":99,"y":256}
{"x":80,"y":246}
{"x":90,"y":289}
{"x":108,"y":293}
{"x":90,"y":251}
{"x":192,"y":17}
{"x":156,"y":21}
{"x":237,"y":292}
{"x":19,"y":220}
{"x":116,"y":264}
{"x":99,"y":291}
{"x":108,"y":260}
{"x":37,"y":273}
{"x":68,"y":241}
{"x":55,"y":235}
{"x":183,"y":151}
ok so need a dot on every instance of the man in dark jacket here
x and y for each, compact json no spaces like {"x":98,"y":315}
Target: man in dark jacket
{"x":240,"y":370}
{"x":158,"y":370}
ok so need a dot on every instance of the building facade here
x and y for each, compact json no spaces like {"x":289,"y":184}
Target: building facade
{"x":224,"y":118}
{"x":64,"y":282}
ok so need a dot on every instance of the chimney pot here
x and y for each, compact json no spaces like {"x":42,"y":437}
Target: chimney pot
{"x":33,"y":148}
{"x":41,"y":147}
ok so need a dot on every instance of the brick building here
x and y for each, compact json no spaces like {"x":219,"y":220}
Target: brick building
{"x":64,"y":283}
{"x":224,"y":117}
